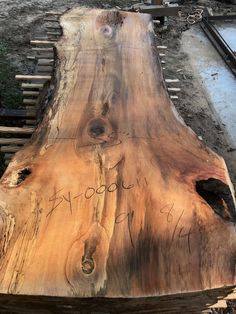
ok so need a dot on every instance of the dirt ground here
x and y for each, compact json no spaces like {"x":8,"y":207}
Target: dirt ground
{"x":21,"y":19}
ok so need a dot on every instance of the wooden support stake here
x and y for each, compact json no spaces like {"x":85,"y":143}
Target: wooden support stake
{"x":17,"y":113}
{"x":42,"y":49}
{"x":30,"y":93}
{"x":45,"y":61}
{"x":16,"y":130}
{"x":33,"y":77}
{"x":161,"y":47}
{"x":173,"y":89}
{"x":10,"y":149}
{"x":32,"y":86}
{"x":44,"y":56}
{"x":42,"y":42}
{"x":171,"y":80}
{"x":31,"y":57}
{"x":54,"y":33}
{"x":53,"y":27}
{"x":45,"y":37}
{"x":30,"y":107}
{"x":30,"y":101}
{"x":13,"y":141}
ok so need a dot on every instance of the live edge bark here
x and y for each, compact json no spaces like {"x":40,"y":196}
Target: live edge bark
{"x":111,"y":200}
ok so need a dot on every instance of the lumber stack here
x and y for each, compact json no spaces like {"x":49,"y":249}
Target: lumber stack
{"x":35,"y":88}
{"x":122,"y":209}
{"x":171,"y":83}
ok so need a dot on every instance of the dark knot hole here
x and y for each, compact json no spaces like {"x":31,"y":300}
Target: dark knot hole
{"x":218,"y":195}
{"x":97,"y":130}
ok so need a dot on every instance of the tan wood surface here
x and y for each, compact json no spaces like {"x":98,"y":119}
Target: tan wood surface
{"x":103,"y":202}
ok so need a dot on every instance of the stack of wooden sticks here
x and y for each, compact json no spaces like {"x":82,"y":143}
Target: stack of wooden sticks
{"x":34,"y":89}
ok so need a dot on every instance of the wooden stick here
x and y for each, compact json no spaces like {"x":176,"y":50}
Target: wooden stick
{"x":13,"y":141}
{"x":10,"y":149}
{"x":17,"y":113}
{"x":53,"y":27}
{"x":32,"y":86}
{"x":33,"y":77}
{"x":161,"y":47}
{"x":16,"y":130}
{"x":31,"y":57}
{"x":30,"y":101}
{"x":44,"y":56}
{"x":171,"y":80}
{"x":44,"y":37}
{"x":42,"y":49}
{"x":173,"y":89}
{"x":29,"y":108}
{"x":42,"y":42}
{"x":54,"y":33}
{"x":30,"y":93}
{"x":45,"y":61}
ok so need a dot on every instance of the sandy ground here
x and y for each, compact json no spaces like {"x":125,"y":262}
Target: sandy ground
{"x":20,"y":19}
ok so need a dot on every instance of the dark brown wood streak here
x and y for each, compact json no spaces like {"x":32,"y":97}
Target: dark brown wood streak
{"x":115,"y":204}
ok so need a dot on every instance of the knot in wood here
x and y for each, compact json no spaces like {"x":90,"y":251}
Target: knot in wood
{"x":107,"y":31}
{"x":87,"y":265}
{"x":97,"y":128}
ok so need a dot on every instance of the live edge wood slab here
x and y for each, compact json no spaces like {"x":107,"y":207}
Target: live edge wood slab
{"x":115,"y":205}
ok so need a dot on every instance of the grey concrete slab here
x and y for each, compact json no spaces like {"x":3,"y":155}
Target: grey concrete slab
{"x":216,"y":79}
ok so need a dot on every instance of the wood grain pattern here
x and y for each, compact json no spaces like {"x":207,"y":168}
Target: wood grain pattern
{"x":103,"y":201}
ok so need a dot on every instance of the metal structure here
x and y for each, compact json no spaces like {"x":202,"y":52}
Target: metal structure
{"x":218,"y":41}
